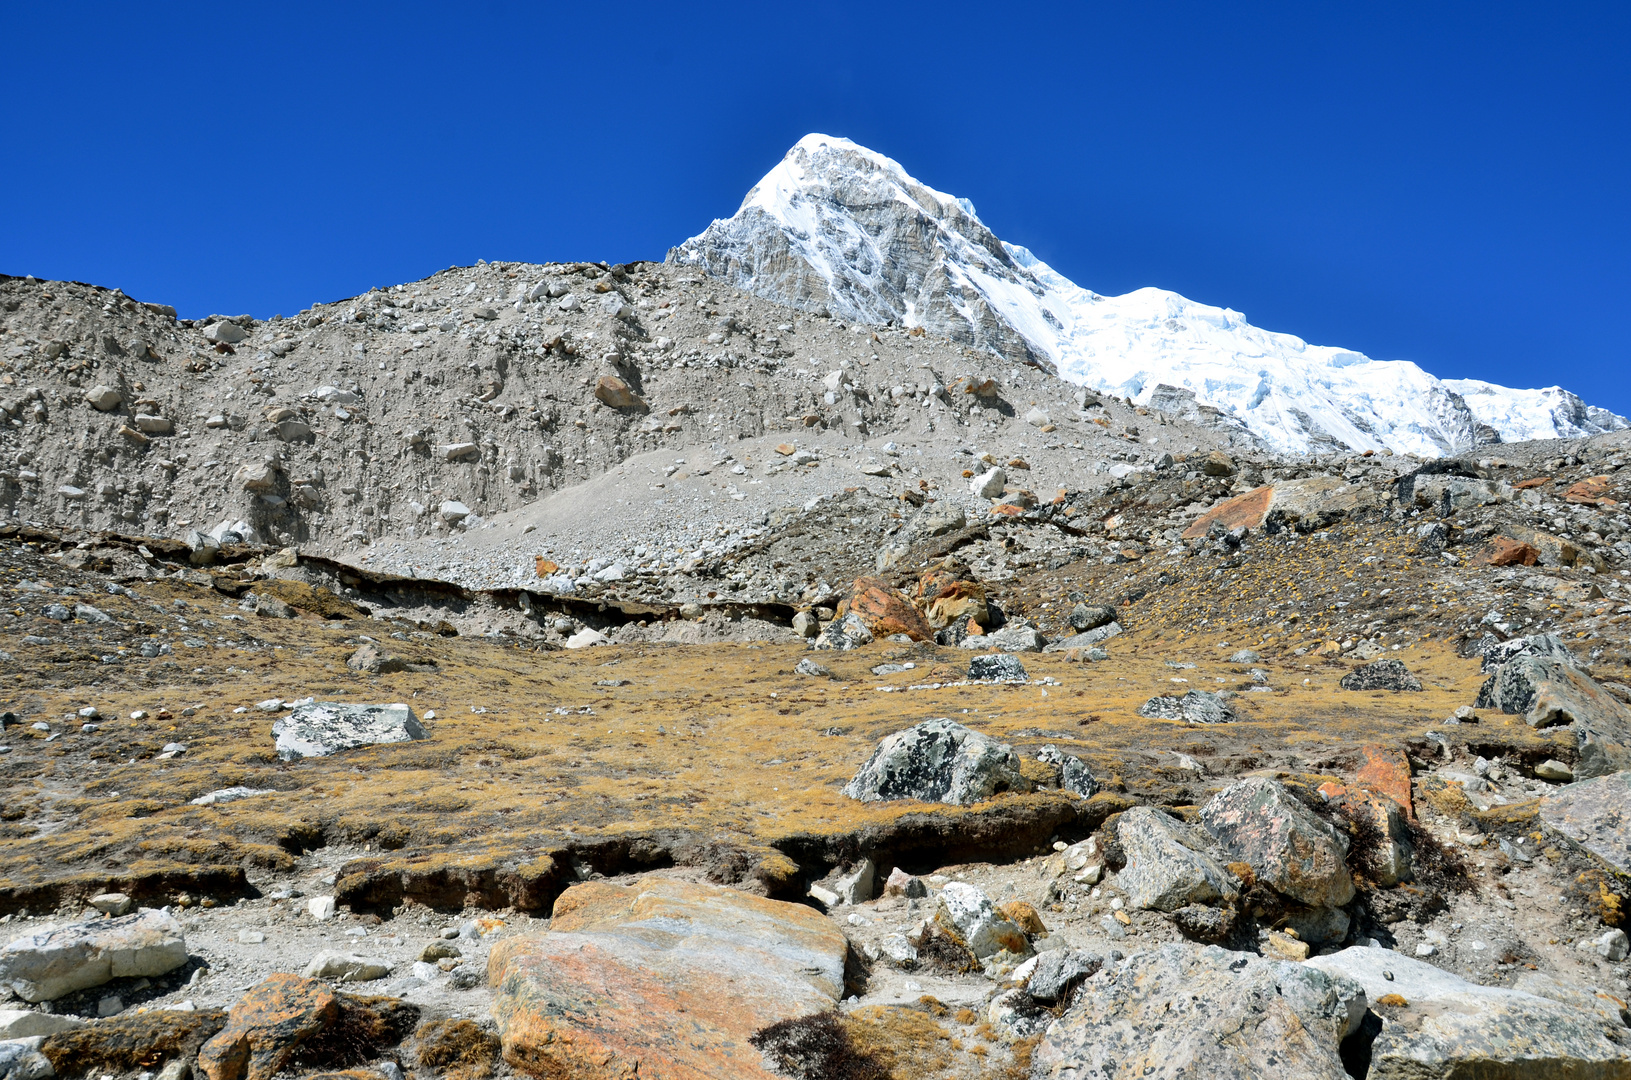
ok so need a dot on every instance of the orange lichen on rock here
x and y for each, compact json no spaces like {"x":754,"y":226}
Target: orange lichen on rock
{"x":886,"y":610}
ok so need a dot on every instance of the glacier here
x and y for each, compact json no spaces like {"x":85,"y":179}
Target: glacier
{"x":840,"y":229}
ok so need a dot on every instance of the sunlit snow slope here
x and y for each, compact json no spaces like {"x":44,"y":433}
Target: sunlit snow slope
{"x":835,"y":226}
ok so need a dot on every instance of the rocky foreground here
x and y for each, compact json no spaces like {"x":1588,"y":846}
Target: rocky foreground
{"x":995,"y":730}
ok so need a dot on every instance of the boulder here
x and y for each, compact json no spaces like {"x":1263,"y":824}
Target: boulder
{"x":327,"y":727}
{"x":809,"y":667}
{"x":661,"y":978}
{"x":1596,"y":814}
{"x":346,"y":967}
{"x":26,"y":1023}
{"x":1546,"y":690}
{"x":937,"y":761}
{"x":202,"y":548}
{"x":257,"y":477}
{"x":1168,"y":865}
{"x":47,"y":964}
{"x":1184,"y":1011}
{"x":20,"y":1059}
{"x":884,"y":610}
{"x":1306,"y":504}
{"x":1009,"y":639}
{"x":1195,"y":707}
{"x":1384,"y":674}
{"x":998,"y":667}
{"x":843,"y":634}
{"x":1087,"y":639}
{"x":103,"y":398}
{"x":1258,"y":822}
{"x":1085,"y":617}
{"x":1448,"y":1027}
{"x":224,"y":332}
{"x":369,"y":659}
{"x":266,"y":1027}
{"x":984,"y":929}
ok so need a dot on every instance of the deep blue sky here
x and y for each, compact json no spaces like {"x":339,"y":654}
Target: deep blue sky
{"x":1445,"y":183}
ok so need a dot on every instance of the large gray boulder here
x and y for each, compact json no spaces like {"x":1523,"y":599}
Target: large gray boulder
{"x":1451,"y":1028}
{"x":1547,"y":690}
{"x":937,"y":761}
{"x":47,"y":964}
{"x":1500,"y":652}
{"x":1086,"y":639}
{"x":327,"y":727}
{"x":1180,"y":1012}
{"x":1258,"y":822}
{"x":844,"y":634}
{"x":20,"y":1059}
{"x":1595,"y":813}
{"x":1169,"y":864}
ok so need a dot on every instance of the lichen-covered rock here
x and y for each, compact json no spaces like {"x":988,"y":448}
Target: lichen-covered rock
{"x":1597,"y":814}
{"x":1289,"y":849}
{"x":1181,"y":1011}
{"x":1197,"y":707}
{"x":662,"y":979}
{"x":1074,"y":775}
{"x":1168,"y":865}
{"x":997,"y":667}
{"x":843,"y":634}
{"x":47,"y":964}
{"x":266,"y":1027}
{"x":327,"y":727}
{"x":1058,"y":971}
{"x":937,"y":761}
{"x":1385,"y":674}
{"x":1499,"y":652}
{"x":947,"y":592}
{"x":1449,"y":1028}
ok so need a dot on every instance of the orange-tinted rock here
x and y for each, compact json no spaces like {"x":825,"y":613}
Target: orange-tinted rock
{"x":266,"y":1027}
{"x":1505,"y":551}
{"x":544,"y":567}
{"x":1024,"y":916}
{"x":661,"y":980}
{"x":1007,"y":510}
{"x":1532,"y":482}
{"x":1319,"y":498}
{"x":1591,"y":491}
{"x":1386,"y":772}
{"x":886,"y":610}
{"x":611,"y":390}
{"x":947,"y":592}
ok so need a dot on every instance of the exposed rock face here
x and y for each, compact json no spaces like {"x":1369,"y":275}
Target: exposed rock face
{"x":844,"y":634}
{"x":46,"y":965}
{"x":937,"y":761}
{"x":1452,"y":1028}
{"x":1168,"y":864}
{"x":838,"y":228}
{"x":664,"y":978}
{"x":1597,"y":813}
{"x":1547,"y":690}
{"x":1500,"y":652}
{"x":1260,"y":823}
{"x":1306,"y":504}
{"x":327,"y":727}
{"x":1180,"y":1011}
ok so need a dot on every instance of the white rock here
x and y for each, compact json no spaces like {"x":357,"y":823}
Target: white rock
{"x":426,"y":972}
{"x":333,"y":395}
{"x":20,"y":1059}
{"x":971,"y":911}
{"x":224,"y":332}
{"x":154,"y":425}
{"x":613,"y":572}
{"x":989,"y":484}
{"x":103,"y":398}
{"x":452,"y":511}
{"x":585,"y":638}
{"x":346,"y":967}
{"x":251,"y":937}
{"x":112,"y":903}
{"x":230,"y":794}
{"x":320,"y":908}
{"x":1037,"y":418}
{"x":47,"y":964}
{"x":458,"y":451}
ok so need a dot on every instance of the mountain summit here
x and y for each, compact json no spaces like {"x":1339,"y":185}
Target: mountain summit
{"x":836,"y":227}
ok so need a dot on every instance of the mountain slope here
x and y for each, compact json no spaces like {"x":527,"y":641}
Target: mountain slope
{"x":836,"y":226}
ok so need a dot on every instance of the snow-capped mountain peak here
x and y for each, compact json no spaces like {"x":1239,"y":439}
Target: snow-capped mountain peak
{"x":837,"y":227}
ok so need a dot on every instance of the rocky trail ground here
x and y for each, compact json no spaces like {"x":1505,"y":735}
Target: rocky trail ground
{"x":595,"y":671}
